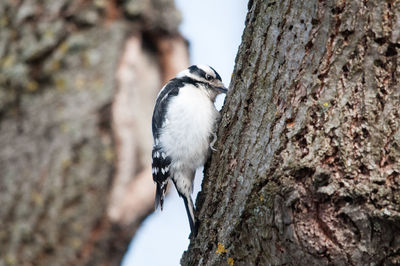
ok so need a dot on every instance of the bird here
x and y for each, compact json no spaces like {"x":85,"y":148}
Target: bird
{"x":183,"y":124}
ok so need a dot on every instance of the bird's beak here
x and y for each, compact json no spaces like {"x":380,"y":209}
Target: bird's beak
{"x":222,"y":89}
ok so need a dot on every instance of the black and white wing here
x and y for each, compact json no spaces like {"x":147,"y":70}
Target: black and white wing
{"x":161,"y":161}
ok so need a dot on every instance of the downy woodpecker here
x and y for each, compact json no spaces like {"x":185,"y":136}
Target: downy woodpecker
{"x":183,"y":124}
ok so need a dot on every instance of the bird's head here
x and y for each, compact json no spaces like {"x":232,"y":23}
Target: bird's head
{"x":206,"y":75}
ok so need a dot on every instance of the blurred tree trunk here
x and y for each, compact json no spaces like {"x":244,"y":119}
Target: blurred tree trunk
{"x":307,"y":167}
{"x":78,"y":81}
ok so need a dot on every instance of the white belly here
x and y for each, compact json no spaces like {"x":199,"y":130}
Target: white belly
{"x":189,"y":123}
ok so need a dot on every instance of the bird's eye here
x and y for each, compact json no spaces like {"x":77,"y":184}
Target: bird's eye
{"x":209,"y":77}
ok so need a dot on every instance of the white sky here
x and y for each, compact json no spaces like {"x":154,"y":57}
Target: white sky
{"x":214,"y":29}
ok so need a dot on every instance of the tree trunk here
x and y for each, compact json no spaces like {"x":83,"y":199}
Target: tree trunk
{"x":78,"y":81}
{"x":307,"y":167}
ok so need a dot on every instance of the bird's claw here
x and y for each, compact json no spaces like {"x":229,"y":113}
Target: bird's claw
{"x":213,"y":142}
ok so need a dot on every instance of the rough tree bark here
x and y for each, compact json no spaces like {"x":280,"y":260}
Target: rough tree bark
{"x":307,"y":167}
{"x":78,"y":80}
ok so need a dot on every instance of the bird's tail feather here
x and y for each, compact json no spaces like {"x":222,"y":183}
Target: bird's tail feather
{"x":160,"y":194}
{"x":190,"y":213}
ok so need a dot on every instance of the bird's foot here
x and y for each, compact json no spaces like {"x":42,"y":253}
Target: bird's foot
{"x":213,"y":142}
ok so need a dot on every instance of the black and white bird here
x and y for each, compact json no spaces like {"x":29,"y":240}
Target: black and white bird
{"x":183,"y":124}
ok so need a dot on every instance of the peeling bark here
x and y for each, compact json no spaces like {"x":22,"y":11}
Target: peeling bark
{"x":78,"y":80}
{"x":307,"y":164}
